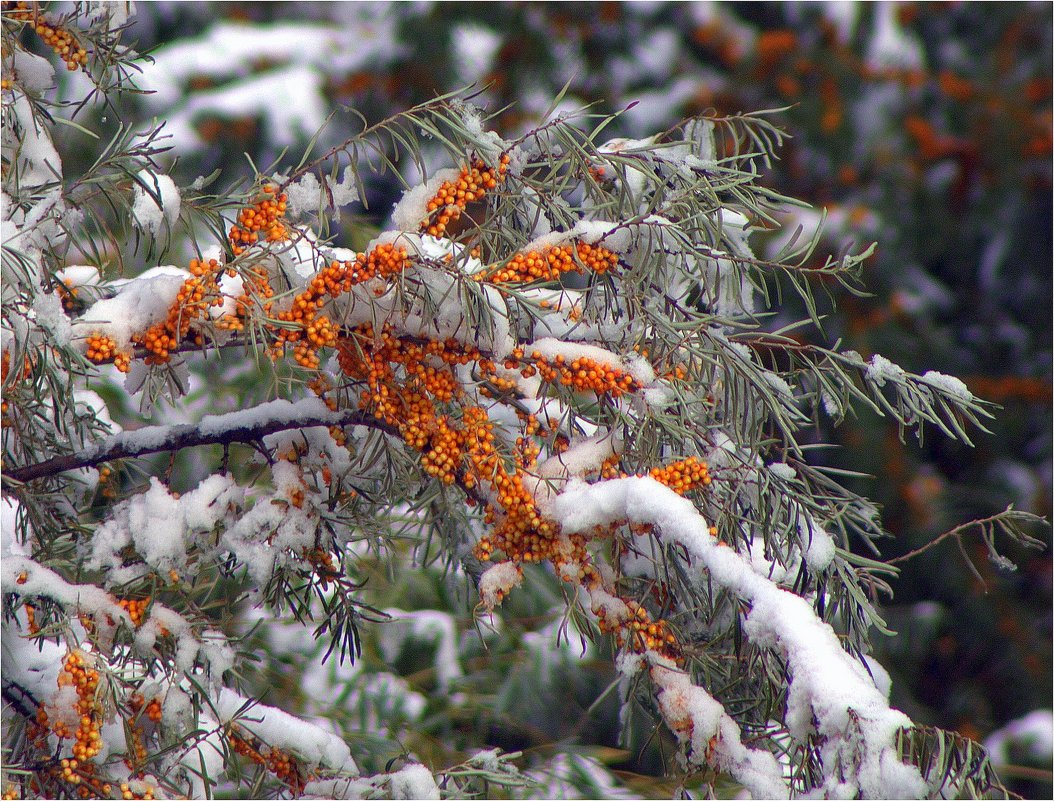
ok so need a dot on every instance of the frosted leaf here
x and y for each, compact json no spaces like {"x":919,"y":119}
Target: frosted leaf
{"x":148,"y":214}
{"x":116,"y":12}
{"x":948,"y":384}
{"x":880,"y":369}
{"x":307,"y":195}
{"x":92,"y":402}
{"x":819,"y":547}
{"x":38,"y":163}
{"x":304,"y":195}
{"x":778,"y":385}
{"x":880,"y":676}
{"x":830,"y":404}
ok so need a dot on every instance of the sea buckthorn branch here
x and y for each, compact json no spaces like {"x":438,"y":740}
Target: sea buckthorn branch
{"x":309,"y":330}
{"x":581,"y":374}
{"x":630,"y":622}
{"x":511,"y":425}
{"x":455,"y":449}
{"x":26,"y":578}
{"x":779,"y":619}
{"x":183,"y":325}
{"x":212,"y":430}
{"x":77,"y":712}
{"x":409,"y":123}
{"x":100,"y":613}
{"x":465,"y":453}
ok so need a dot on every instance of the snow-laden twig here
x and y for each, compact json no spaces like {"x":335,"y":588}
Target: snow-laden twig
{"x":830,"y":695}
{"x":248,"y":425}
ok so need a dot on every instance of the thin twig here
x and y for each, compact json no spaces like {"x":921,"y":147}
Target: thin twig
{"x":953,"y":533}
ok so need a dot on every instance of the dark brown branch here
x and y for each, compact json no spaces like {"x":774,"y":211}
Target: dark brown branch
{"x":211,"y":431}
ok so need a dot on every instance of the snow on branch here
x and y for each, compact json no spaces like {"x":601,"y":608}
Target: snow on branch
{"x":831,"y":695}
{"x":248,"y":425}
{"x":23,"y":576}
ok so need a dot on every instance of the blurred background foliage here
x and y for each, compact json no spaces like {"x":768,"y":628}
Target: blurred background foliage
{"x":923,"y":126}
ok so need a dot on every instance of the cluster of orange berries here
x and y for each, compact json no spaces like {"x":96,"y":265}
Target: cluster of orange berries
{"x":76,"y":672}
{"x":128,"y":795}
{"x":102,"y":349}
{"x":278,"y":762}
{"x":406,"y":379}
{"x":426,"y":374}
{"x":152,"y":709}
{"x":640,"y":632}
{"x":322,"y":561}
{"x":68,"y":293}
{"x":69,"y":772}
{"x":551,"y":263}
{"x":136,"y":608}
{"x":683,"y":476}
{"x":58,"y":39}
{"x":194,"y":299}
{"x":452,"y":197}
{"x":582,"y":374}
{"x":263,"y":220}
{"x":315,"y":331}
{"x":385,"y":260}
{"x":73,"y":774}
{"x":31,"y":619}
{"x":153,"y":713}
{"x":452,"y":449}
{"x":107,"y":488}
{"x":408,"y":401}
{"x":520,"y":531}
{"x":5,"y":368}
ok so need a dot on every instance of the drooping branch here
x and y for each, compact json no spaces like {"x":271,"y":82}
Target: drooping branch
{"x":828,"y":690}
{"x":242,"y":426}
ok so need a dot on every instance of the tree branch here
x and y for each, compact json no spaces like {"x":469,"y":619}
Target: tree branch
{"x":241,"y":426}
{"x":955,"y":532}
